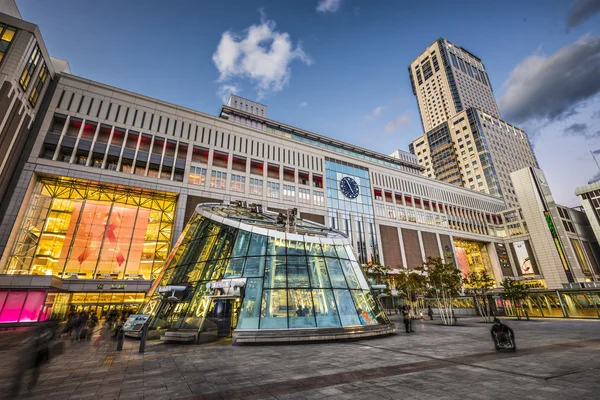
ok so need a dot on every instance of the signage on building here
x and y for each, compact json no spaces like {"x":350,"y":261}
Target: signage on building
{"x":559,"y":248}
{"x":135,"y":322}
{"x":102,"y":286}
{"x":227,"y":287}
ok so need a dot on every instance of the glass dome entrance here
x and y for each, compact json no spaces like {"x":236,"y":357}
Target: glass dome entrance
{"x":233,"y":264}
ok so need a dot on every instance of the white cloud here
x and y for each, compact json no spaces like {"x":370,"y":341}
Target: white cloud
{"x":397,"y":123}
{"x":375,"y":113}
{"x":303,"y":104}
{"x":552,"y":87}
{"x":225,"y":90}
{"x":260,"y":54}
{"x":331,"y":6}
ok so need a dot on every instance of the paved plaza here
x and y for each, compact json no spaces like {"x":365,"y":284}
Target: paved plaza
{"x":556,"y":359}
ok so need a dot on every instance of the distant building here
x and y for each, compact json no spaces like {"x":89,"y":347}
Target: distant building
{"x":475,"y":150}
{"x":447,"y":79}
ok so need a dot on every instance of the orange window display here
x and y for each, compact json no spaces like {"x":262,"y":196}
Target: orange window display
{"x":92,"y":231}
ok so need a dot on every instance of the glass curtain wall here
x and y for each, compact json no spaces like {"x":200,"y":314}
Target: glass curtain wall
{"x":352,"y":216}
{"x":289,"y":284}
{"x":93,"y":231}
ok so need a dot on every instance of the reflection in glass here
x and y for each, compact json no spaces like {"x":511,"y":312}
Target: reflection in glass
{"x":301,"y":305}
{"x":250,"y":310}
{"x":255,"y":266}
{"x":335,"y":273}
{"x":275,"y":272}
{"x":274,"y":309}
{"x":276,"y":246}
{"x":258,"y":245}
{"x":325,"y":308}
{"x":346,"y":307}
{"x":350,"y":275}
{"x":318,"y":272}
{"x":297,"y":272}
{"x":234,"y":269}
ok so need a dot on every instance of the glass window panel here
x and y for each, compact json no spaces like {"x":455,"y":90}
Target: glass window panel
{"x":350,"y":252}
{"x":295,"y":248}
{"x":351,"y":278}
{"x":276,"y":247}
{"x":313,"y":249}
{"x":12,"y":306}
{"x":302,"y":312}
{"x":346,"y":308}
{"x":329,"y":250}
{"x":241,"y":244}
{"x":366,"y":307}
{"x":341,"y":250}
{"x":335,"y":273}
{"x":255,"y":266}
{"x":325,"y":309}
{"x":258,"y":245}
{"x":360,"y":275}
{"x":250,"y":311}
{"x":297,"y":271}
{"x":274,"y":309}
{"x":319,"y":278}
{"x":234,"y":269}
{"x":275,"y":272}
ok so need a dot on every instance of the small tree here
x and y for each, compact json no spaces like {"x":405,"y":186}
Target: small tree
{"x":411,"y":285}
{"x":444,"y":283}
{"x":480,"y":284}
{"x":516,"y":292}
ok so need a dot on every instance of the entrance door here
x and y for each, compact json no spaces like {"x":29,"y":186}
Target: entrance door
{"x":220,"y":315}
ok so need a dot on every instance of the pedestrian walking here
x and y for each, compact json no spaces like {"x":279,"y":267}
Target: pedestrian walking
{"x":406,"y":318}
{"x":430,"y":312}
{"x":80,"y":325}
{"x":35,"y":354}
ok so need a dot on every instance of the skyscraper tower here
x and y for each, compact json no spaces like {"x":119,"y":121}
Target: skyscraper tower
{"x":447,"y":79}
{"x":465,"y":141}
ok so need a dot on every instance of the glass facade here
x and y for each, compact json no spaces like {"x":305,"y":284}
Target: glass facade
{"x":93,"y":231}
{"x":472,"y":256}
{"x":307,"y":282}
{"x":352,"y":216}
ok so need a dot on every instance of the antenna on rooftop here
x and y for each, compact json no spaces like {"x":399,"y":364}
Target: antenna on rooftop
{"x":594,"y":156}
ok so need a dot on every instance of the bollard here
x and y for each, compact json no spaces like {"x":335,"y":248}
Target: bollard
{"x":120,"y":337}
{"x":144,"y":337}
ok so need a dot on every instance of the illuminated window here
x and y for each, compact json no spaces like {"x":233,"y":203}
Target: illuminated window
{"x":7,"y":33}
{"x":197,"y":176}
{"x":256,"y":186}
{"x":32,"y":63}
{"x":318,"y":198}
{"x":238,"y":183}
{"x":39,"y":85}
{"x":218,"y":180}
{"x":273,"y":190}
{"x":93,"y":231}
{"x":304,"y":195}
{"x":289,"y":192}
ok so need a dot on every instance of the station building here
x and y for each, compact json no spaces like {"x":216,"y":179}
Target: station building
{"x":105,"y":181}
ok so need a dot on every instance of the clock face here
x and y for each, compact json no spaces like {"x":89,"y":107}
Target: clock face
{"x":349,"y":187}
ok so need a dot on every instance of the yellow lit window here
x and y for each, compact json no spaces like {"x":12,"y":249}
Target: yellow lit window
{"x":30,"y":67}
{"x":7,"y":33}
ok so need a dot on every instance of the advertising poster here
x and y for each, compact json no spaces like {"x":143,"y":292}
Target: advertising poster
{"x":523,"y":258}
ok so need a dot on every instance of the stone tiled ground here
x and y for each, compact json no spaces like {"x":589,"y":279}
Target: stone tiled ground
{"x":556,"y":359}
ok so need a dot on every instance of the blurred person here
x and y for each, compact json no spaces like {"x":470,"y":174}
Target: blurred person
{"x":36,"y":352}
{"x":80,"y":324}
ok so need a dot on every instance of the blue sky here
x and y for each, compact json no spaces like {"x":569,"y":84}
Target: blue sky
{"x":339,"y":68}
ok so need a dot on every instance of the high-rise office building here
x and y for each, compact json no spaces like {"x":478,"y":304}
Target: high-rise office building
{"x":465,"y":141}
{"x":447,"y":79}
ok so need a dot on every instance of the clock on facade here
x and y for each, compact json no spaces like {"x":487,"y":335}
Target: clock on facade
{"x":349,"y":187}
